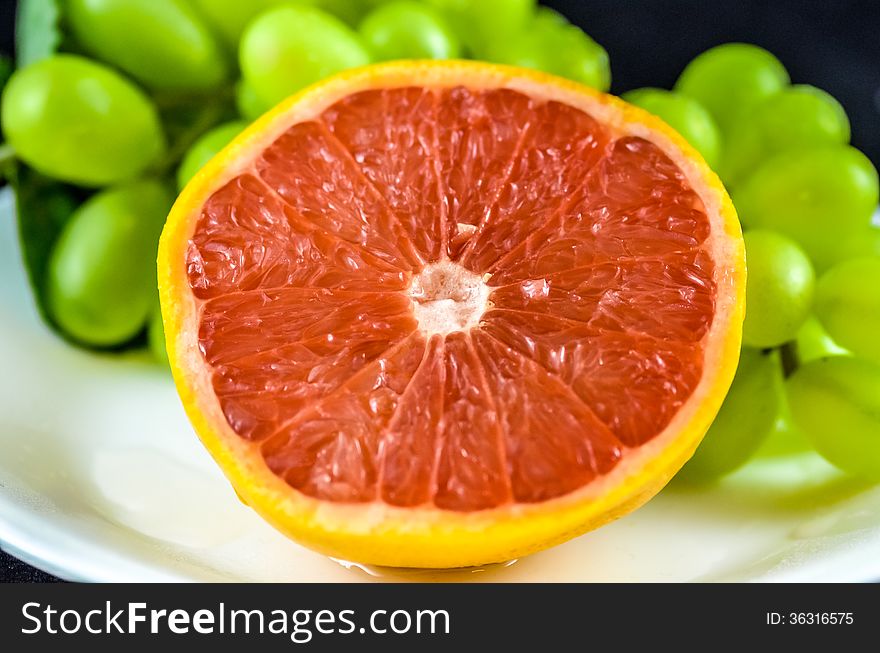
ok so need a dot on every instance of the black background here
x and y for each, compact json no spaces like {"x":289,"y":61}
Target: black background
{"x":834,"y":45}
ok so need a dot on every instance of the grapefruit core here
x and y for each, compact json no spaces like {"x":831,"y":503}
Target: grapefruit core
{"x":446,"y":314}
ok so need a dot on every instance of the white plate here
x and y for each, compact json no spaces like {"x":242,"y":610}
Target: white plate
{"x":102,"y":479}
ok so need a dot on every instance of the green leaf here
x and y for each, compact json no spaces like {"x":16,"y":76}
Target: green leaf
{"x":37,"y":30}
{"x":43,"y":206}
{"x":7,"y":163}
{"x":6,"y":68}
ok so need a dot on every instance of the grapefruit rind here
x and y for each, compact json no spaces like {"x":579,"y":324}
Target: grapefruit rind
{"x":380,"y":534}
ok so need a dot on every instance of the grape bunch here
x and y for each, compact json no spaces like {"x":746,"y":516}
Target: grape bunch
{"x":810,"y":363}
{"x":117,"y":104}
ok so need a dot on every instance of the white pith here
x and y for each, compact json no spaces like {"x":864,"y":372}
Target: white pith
{"x":446,"y":297}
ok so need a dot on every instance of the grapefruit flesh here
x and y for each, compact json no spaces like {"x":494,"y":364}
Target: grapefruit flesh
{"x":450,"y":299}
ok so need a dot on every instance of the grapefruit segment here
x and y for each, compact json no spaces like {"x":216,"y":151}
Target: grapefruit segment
{"x":331,"y":450}
{"x":558,"y":148}
{"x":447,"y":314}
{"x":275,"y":351}
{"x":479,"y":136}
{"x":471,"y":473}
{"x":634,"y":383}
{"x":410,"y":448}
{"x":576,"y":446}
{"x":313,"y":172}
{"x":635,"y":204}
{"x":392,"y":136}
{"x":250,"y":239}
{"x":669,"y":297}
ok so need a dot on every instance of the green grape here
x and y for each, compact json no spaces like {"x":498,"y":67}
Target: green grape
{"x":836,"y":403}
{"x":248,"y":102}
{"x":545,"y":16}
{"x":527,"y":49}
{"x":229,"y":18}
{"x":848,"y":306}
{"x":560,"y":49}
{"x":161,"y":43}
{"x":744,"y":421}
{"x":205,"y":148}
{"x":156,"y":335}
{"x":351,"y":11}
{"x":408,"y":30}
{"x":785,"y":438}
{"x":483,"y":24}
{"x":288,"y":48}
{"x":580,"y":58}
{"x":779,"y":289}
{"x":685,"y":115}
{"x":813,"y":342}
{"x":816,"y":197}
{"x":80,"y":122}
{"x":102,"y":271}
{"x":730,"y":79}
{"x":795,"y":118}
{"x":860,"y":242}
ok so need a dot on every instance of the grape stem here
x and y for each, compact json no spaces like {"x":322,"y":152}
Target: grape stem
{"x":788,"y":355}
{"x":211,"y":113}
{"x":206,"y":119}
{"x":7,"y":154}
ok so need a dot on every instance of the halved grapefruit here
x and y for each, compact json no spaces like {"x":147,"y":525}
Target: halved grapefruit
{"x":446,"y":314}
